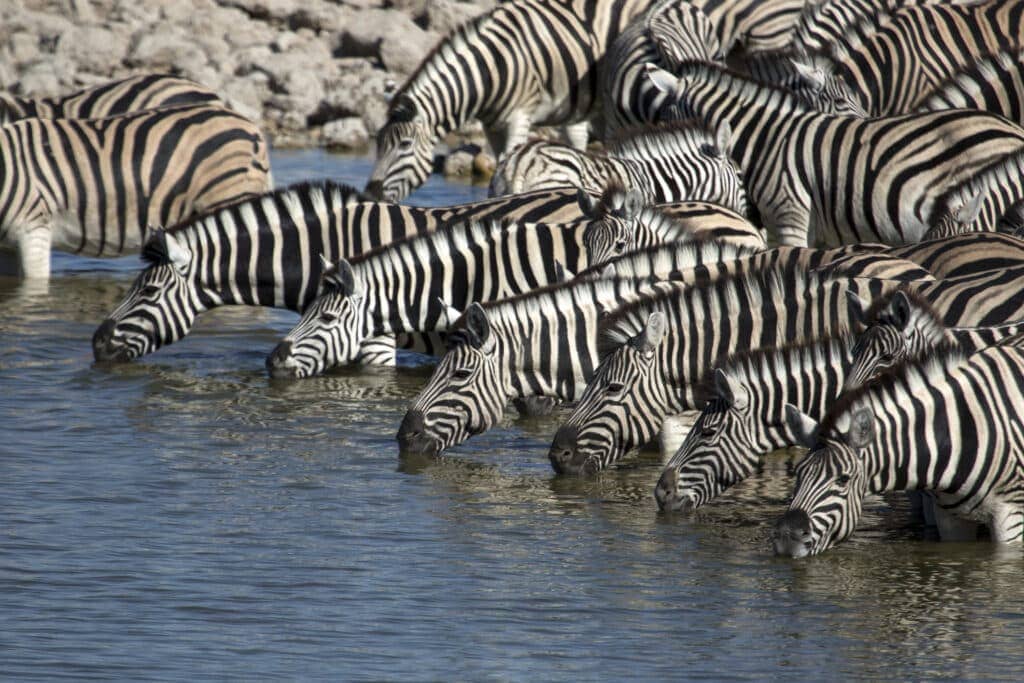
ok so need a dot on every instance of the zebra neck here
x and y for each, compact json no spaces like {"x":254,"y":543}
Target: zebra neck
{"x":447,"y":102}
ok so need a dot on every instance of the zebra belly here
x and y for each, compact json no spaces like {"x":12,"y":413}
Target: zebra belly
{"x":67,"y":229}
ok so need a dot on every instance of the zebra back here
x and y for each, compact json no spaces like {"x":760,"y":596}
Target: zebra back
{"x":136,"y":93}
{"x":992,"y":82}
{"x":753,"y":24}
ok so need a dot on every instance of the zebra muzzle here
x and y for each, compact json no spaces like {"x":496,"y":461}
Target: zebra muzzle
{"x":792,"y":534}
{"x":565,"y":455}
{"x":670,"y":498}
{"x":413,"y":438}
{"x":105,"y":349}
{"x":281,"y":364}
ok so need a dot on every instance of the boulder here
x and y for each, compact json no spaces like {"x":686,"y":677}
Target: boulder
{"x":348,"y":134}
{"x":392,"y":38}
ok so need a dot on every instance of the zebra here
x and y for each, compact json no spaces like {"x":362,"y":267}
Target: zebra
{"x":949,"y":425}
{"x":606,"y":424}
{"x":980,"y":202}
{"x":808,"y":79}
{"x":265,"y":251}
{"x":743,"y":415}
{"x":670,"y":32}
{"x":412,"y":284}
{"x":896,"y":60}
{"x":637,"y":385}
{"x":839,"y":178}
{"x":824,"y":24}
{"x":665,"y":163}
{"x":905,"y":326}
{"x":135,"y":93}
{"x":537,"y":344}
{"x":94,"y":186}
{"x":754,"y":25}
{"x":621,"y":218}
{"x":525,"y":62}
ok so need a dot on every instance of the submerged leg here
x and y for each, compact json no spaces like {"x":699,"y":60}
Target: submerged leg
{"x":34,"y":252}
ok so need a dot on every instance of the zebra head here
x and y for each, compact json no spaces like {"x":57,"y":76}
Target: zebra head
{"x":160,"y":307}
{"x":720,"y":450}
{"x":958,"y":219}
{"x":613,"y":222}
{"x":819,"y":86}
{"x":467,"y":393}
{"x":405,"y":152}
{"x":831,"y":482}
{"x":614,"y":415}
{"x":331,"y":330}
{"x":904,"y":328}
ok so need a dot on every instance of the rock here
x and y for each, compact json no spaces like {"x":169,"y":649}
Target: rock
{"x":93,"y":48}
{"x":40,"y":79}
{"x":444,"y":16}
{"x":393,"y":38}
{"x":484,"y":164}
{"x":459,"y":164}
{"x":169,"y":51}
{"x":348,"y":134}
{"x":23,"y":47}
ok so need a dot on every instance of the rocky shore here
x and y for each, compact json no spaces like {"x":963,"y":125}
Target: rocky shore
{"x":312,"y":72}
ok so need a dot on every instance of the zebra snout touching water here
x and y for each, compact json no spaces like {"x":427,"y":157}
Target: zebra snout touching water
{"x":949,"y":424}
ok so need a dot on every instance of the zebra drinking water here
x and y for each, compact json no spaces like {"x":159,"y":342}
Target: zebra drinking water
{"x":950,"y":424}
{"x":266,"y":251}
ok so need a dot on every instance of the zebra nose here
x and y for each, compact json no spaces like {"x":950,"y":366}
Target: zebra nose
{"x":412,"y":435}
{"x":374,"y":190}
{"x":793,"y":534}
{"x":563,"y":449}
{"x":101,"y":341}
{"x":279,"y":362}
{"x":667,"y":491}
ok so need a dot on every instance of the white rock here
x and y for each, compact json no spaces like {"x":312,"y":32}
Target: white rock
{"x":347,"y":134}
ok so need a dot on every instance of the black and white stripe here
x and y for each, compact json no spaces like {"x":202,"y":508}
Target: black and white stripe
{"x":950,"y":425}
{"x":838,"y":179}
{"x":267,"y":251}
{"x":524,"y":63}
{"x":665,"y":163}
{"x":95,"y":186}
{"x":136,"y":93}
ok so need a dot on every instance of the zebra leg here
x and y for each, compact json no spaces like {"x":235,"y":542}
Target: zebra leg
{"x":577,"y":134}
{"x":953,"y":528}
{"x":379,"y":351}
{"x":517,"y":130}
{"x":1007,"y":525}
{"x":34,"y":251}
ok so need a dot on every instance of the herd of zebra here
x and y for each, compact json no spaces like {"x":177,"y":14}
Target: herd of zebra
{"x":801,"y":224}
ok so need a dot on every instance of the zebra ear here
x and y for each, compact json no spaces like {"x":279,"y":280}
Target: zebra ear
{"x":164,"y":247}
{"x":802,"y":426}
{"x":562,"y":274}
{"x":731,"y":391}
{"x":723,"y":138}
{"x":632,"y":205}
{"x":663,"y":80}
{"x":325,"y":264}
{"x":862,"y":429}
{"x":811,"y":75}
{"x":652,"y":334}
{"x":900,"y":310}
{"x":478,"y":324}
{"x":588,"y":205}
{"x":970,"y":210}
{"x":858,"y":307}
{"x":341,"y":278}
{"x":449,"y":314}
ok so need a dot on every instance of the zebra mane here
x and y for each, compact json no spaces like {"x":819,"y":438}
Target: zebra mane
{"x":775,"y":361}
{"x":928,"y":371}
{"x":336,"y":192}
{"x":743,"y":82}
{"x":646,"y":141}
{"x":754,"y":288}
{"x":666,"y":257}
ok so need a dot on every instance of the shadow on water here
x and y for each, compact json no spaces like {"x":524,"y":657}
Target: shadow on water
{"x":186,"y":516}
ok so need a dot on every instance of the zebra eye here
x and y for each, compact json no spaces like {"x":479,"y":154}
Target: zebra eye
{"x":707,"y":431}
{"x":842,"y":480}
{"x":709,"y":151}
{"x":150,"y":290}
{"x":462,"y":374}
{"x":405,"y":144}
{"x":328,"y":318}
{"x":620,"y":245}
{"x":615,"y":388}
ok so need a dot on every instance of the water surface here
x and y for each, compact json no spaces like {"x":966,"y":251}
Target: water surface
{"x":183,"y":517}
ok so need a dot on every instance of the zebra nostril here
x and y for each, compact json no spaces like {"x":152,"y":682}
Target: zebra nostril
{"x":277,"y":362}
